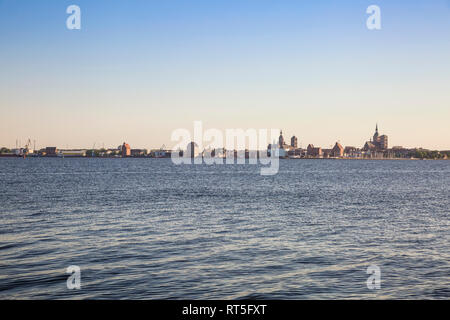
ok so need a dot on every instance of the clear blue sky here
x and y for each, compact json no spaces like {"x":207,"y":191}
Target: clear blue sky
{"x":137,"y":70}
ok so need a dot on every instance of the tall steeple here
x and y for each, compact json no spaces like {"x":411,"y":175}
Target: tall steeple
{"x":281,"y":140}
{"x":375,"y":136}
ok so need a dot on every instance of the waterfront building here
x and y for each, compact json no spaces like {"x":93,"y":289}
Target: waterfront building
{"x":286,"y":150}
{"x":326,"y":153}
{"x":126,"y":150}
{"x":337,"y":151}
{"x":296,"y":153}
{"x":352,"y":152}
{"x":312,"y":151}
{"x":160,"y":153}
{"x":383,"y":142}
{"x":51,"y":151}
{"x":283,"y":147}
{"x":281,"y":142}
{"x":369,"y":147}
{"x":377,"y":144}
{"x":282,"y":151}
{"x":294,"y":142}
{"x":138,"y":152}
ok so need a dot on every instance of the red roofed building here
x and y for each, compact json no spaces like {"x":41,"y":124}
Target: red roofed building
{"x":313,"y":151}
{"x":337,"y":151}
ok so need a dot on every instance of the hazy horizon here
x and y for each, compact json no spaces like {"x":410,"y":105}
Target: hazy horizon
{"x":138,"y":70}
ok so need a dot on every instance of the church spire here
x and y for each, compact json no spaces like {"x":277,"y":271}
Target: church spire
{"x":281,"y":139}
{"x":375,"y":135}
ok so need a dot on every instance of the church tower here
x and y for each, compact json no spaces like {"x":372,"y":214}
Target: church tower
{"x":281,"y":140}
{"x":375,"y":136}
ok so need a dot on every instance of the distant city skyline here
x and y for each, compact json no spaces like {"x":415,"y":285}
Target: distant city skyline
{"x":138,"y":70}
{"x":169,"y":144}
{"x":376,"y":142}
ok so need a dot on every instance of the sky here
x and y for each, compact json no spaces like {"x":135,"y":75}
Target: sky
{"x":138,"y":70}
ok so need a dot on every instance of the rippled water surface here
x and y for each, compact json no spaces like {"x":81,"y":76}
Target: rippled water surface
{"x":147,"y":229}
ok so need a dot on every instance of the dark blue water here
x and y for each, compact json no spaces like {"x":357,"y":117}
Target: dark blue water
{"x":147,"y":229}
